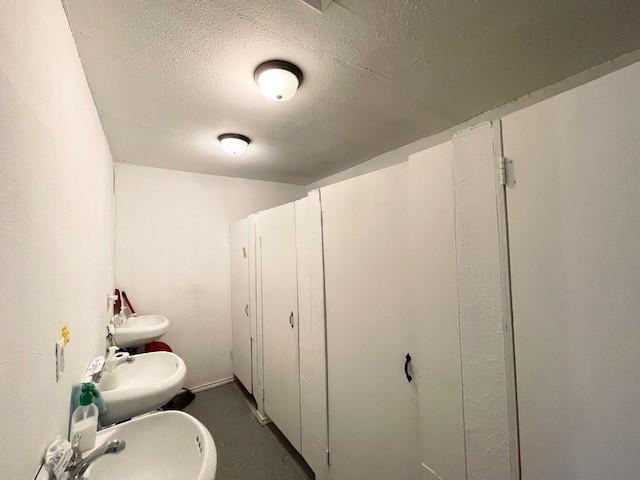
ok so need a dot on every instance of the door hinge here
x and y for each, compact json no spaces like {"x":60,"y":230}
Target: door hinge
{"x":506,"y":174}
{"x":328,"y":457}
{"x":502,"y":170}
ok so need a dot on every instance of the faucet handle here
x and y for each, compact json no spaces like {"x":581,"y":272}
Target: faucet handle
{"x":58,"y":456}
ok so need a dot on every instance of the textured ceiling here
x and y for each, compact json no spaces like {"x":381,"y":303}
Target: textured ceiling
{"x":168,"y":76}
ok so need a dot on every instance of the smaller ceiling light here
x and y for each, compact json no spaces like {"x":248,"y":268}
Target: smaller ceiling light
{"x":278,"y":80}
{"x":234,"y":143}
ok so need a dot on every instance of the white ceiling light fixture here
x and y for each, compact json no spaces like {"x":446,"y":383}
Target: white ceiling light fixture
{"x":278,"y":80}
{"x":234,"y":143}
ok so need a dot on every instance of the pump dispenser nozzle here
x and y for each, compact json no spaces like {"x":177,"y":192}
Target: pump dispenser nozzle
{"x":89,"y":391}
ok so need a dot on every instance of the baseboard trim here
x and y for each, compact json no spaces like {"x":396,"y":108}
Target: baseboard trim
{"x":210,"y":385}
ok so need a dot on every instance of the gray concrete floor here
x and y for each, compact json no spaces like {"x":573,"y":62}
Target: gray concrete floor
{"x":246,"y":450}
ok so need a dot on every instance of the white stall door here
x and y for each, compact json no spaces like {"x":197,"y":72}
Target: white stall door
{"x":435,"y":312}
{"x":373,"y":418}
{"x":240,"y":322}
{"x":277,"y":237}
{"x":574,"y":233}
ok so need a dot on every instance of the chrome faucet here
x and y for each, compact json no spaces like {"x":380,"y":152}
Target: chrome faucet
{"x":120,"y":318}
{"x":78,"y":465}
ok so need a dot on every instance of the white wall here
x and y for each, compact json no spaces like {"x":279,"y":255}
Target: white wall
{"x":172,"y":254}
{"x":56,"y":227}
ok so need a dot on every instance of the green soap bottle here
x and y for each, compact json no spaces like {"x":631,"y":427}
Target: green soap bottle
{"x":84,"y":420}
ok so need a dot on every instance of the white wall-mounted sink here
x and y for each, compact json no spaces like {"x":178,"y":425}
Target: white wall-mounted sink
{"x":146,"y":383}
{"x":161,"y":446}
{"x":138,"y":330}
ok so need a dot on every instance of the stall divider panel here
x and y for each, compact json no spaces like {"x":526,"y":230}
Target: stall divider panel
{"x":490,"y":416}
{"x":313,"y":378}
{"x":256,"y":332}
{"x":240,"y":303}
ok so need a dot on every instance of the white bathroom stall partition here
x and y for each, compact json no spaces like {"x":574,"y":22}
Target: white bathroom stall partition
{"x":255,"y":320}
{"x":486,"y":337}
{"x":435,"y":314}
{"x":276,"y":229}
{"x":313,"y":374}
{"x":240,"y":303}
{"x":573,"y":201}
{"x":373,"y":407}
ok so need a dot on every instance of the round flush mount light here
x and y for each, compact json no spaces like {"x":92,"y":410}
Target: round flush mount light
{"x":234,"y":143}
{"x":278,"y":79}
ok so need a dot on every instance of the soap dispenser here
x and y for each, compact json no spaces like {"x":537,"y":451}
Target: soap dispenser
{"x":109,"y":379}
{"x":84,"y":420}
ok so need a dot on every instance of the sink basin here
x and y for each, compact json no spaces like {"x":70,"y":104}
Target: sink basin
{"x":139,"y":330}
{"x":146,"y":383}
{"x":159,"y":446}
